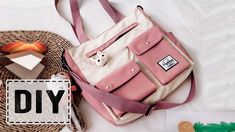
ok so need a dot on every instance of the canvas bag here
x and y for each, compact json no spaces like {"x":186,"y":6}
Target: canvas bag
{"x":126,"y":71}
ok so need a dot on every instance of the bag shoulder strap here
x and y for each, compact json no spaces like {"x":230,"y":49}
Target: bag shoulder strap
{"x":127,"y":105}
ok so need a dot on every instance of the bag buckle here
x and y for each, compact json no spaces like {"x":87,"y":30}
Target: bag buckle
{"x":149,"y":110}
{"x":64,"y":63}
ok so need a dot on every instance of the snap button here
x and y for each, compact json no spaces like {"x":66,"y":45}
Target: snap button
{"x":147,"y":42}
{"x":133,"y":69}
{"x":108,"y":87}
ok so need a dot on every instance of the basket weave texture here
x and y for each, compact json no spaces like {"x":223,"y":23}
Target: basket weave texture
{"x":55,"y":45}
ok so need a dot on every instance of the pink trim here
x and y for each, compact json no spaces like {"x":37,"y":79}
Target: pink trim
{"x":112,"y":40}
{"x":146,"y":41}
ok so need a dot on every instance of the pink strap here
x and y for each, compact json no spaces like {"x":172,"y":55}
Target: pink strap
{"x":114,"y":13}
{"x":111,"y":99}
{"x":167,"y":105}
{"x":77,"y":22}
{"x":127,"y":105}
{"x":77,"y":26}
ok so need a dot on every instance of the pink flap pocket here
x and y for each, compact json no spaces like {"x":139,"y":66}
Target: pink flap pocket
{"x":163,"y":60}
{"x":128,"y":82}
{"x":146,"y":41}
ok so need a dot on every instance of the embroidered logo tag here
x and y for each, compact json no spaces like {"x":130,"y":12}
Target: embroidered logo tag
{"x":167,"y":63}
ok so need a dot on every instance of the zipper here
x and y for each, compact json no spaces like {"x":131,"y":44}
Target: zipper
{"x":112,"y":40}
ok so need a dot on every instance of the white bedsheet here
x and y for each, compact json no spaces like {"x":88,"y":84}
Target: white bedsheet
{"x":206,"y":27}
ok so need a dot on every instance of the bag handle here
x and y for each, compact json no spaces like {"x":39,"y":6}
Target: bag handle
{"x":113,"y":12}
{"x":77,"y":20}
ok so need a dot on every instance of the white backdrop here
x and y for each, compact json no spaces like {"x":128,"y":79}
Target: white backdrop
{"x":206,"y":27}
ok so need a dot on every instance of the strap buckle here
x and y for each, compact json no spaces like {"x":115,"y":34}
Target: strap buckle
{"x":64,"y":63}
{"x":149,"y":110}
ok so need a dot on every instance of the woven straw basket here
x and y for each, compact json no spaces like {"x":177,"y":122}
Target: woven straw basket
{"x":55,"y":45}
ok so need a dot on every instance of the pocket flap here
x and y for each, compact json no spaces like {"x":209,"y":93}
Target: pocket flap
{"x":118,"y":77}
{"x":146,"y":41}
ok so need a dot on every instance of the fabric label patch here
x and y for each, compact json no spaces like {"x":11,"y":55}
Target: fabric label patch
{"x":167,"y":63}
{"x":38,"y":101}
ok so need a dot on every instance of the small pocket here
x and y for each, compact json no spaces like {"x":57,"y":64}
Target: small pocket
{"x":128,"y":82}
{"x":162,"y":59}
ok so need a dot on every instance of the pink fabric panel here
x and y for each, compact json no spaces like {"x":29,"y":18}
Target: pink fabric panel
{"x":156,"y":54}
{"x":118,"y":77}
{"x":135,"y":89}
{"x":150,"y":48}
{"x":127,"y":82}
